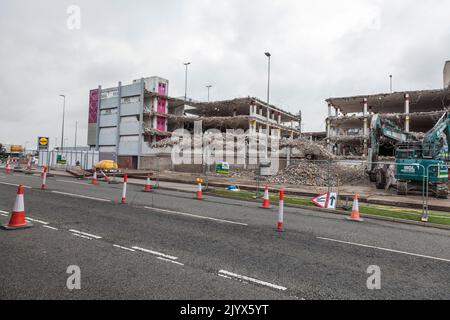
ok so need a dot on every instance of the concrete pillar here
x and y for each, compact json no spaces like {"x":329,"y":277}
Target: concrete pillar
{"x":366,"y":120}
{"x":279,"y":118}
{"x":407,"y":118}
{"x":328,"y":122}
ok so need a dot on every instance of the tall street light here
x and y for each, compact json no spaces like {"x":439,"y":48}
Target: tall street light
{"x":64,"y":111}
{"x":76,"y":132}
{"x":209,"y":87}
{"x":185,"y":80}
{"x":390,"y":81}
{"x":268,"y":55}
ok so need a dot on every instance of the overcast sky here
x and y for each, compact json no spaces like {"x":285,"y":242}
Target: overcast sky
{"x":319,"y":49}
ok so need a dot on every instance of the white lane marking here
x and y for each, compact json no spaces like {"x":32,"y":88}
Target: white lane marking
{"x":226,"y":277}
{"x":124,"y":248}
{"x":52,"y":228}
{"x":171,"y":261}
{"x":385,"y":249}
{"x":15,"y":185}
{"x":4,"y":211}
{"x":245,"y":278}
{"x":4,"y":214}
{"x":80,"y":196}
{"x":85,"y":234}
{"x":156,"y":253}
{"x":81,"y":236}
{"x":38,"y":221}
{"x":197,"y":216}
{"x":74,"y":182}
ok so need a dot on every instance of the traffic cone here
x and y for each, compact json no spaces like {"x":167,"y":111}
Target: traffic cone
{"x":148,"y":186}
{"x":124,"y":191}
{"x":281,"y":212}
{"x":44,"y":178}
{"x":8,"y":167}
{"x":266,"y":199}
{"x":94,"y":178}
{"x":17,"y":216}
{"x":199,"y":191}
{"x":355,"y":210}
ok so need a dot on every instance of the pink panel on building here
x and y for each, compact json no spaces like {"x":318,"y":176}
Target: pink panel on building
{"x":93,"y":105}
{"x":160,"y":121}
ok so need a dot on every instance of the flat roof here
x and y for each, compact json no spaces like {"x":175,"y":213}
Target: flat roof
{"x":420,"y":101}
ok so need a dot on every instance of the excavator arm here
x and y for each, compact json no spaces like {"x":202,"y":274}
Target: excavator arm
{"x":380,"y":130}
{"x":434,"y":141}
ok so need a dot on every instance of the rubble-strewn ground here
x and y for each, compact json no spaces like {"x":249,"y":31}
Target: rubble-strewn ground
{"x":314,"y":173}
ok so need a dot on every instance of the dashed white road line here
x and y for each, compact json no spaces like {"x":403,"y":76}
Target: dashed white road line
{"x":82,"y":236}
{"x":196,"y":216}
{"x":156,"y":253}
{"x":85,"y":234}
{"x":384,"y":249}
{"x":245,"y":278}
{"x":171,"y":261}
{"x":38,"y":221}
{"x":80,"y":196}
{"x":49,"y":227}
{"x":124,"y":248}
{"x":3,"y":214}
{"x":15,"y":185}
{"x":74,"y":182}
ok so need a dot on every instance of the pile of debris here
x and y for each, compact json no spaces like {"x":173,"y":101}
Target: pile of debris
{"x":305,"y":148}
{"x":312,"y":173}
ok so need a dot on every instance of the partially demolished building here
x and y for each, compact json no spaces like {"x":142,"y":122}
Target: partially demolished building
{"x":127,"y":121}
{"x":349,"y":118}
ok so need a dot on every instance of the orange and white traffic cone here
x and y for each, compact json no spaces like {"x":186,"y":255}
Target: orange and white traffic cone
{"x":94,"y":178}
{"x":148,"y":186}
{"x":355,"y":210}
{"x":199,"y":191}
{"x":8,"y":166}
{"x":17,"y":216}
{"x":266,"y":199}
{"x":44,"y":178}
{"x":124,"y":191}
{"x":281,"y":212}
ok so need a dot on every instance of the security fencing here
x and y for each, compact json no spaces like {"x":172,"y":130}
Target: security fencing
{"x":61,"y":160}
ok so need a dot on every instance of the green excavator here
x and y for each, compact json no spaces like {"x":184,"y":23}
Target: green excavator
{"x":418,"y":162}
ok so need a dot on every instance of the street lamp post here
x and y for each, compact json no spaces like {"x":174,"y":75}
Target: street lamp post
{"x":64,"y":111}
{"x":185,"y":80}
{"x":76,"y":131}
{"x":209,"y":87}
{"x":268,"y":55}
{"x":390,"y":81}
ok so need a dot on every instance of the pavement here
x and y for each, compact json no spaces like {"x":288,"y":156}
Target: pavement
{"x":167,"y":245}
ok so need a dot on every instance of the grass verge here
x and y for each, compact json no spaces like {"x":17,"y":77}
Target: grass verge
{"x":376,"y":210}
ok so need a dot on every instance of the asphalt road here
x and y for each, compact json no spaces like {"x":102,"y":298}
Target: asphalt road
{"x":166,"y":245}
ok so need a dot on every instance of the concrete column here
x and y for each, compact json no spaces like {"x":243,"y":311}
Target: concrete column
{"x":366,"y":120}
{"x":279,"y":118}
{"x":328,"y":122}
{"x":407,"y":118}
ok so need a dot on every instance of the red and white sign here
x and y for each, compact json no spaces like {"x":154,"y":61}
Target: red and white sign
{"x":321,"y":200}
{"x":326,"y":201}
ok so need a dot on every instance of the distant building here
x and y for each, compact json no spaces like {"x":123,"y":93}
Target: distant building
{"x":349,"y":118}
{"x":126,"y":120}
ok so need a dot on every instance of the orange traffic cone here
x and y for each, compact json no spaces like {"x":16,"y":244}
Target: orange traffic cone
{"x":17,"y":217}
{"x":266,"y":200}
{"x":148,"y":186}
{"x":8,"y":167}
{"x":355,"y":210}
{"x":94,"y":178}
{"x":199,"y":191}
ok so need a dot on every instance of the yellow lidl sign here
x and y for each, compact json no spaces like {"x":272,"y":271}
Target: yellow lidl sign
{"x":43,"y":142}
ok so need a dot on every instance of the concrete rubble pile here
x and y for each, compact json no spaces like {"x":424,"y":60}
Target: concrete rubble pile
{"x":318,"y":174}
